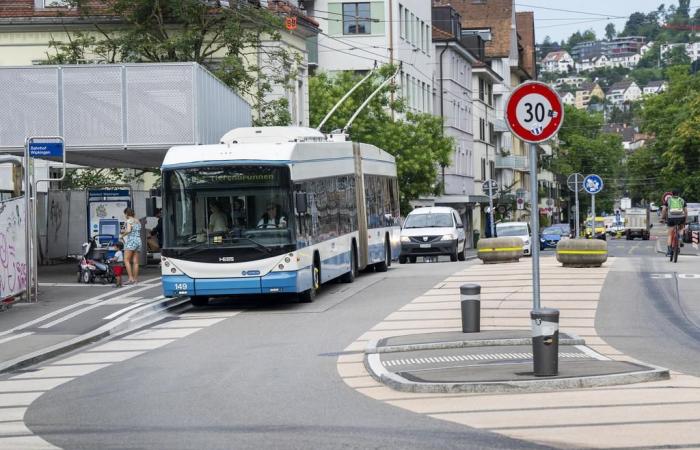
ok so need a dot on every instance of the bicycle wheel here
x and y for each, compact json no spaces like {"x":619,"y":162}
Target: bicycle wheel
{"x":676,"y":251}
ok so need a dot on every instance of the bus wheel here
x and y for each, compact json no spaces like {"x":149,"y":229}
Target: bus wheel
{"x":199,"y":301}
{"x":384,"y":265}
{"x":310,"y":295}
{"x":349,"y":277}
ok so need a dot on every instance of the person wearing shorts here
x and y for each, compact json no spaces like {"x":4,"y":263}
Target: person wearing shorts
{"x":675,"y":213}
{"x":118,"y":264}
{"x":132,"y":245}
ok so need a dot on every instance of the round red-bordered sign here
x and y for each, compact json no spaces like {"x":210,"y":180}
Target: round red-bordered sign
{"x":534,"y":112}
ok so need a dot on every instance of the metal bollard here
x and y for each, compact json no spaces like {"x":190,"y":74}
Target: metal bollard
{"x":470,"y":294}
{"x":545,"y":341}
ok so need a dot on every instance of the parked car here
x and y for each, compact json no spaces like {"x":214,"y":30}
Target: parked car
{"x":688,"y":231}
{"x":565,"y":228}
{"x":433,"y":231}
{"x":653,"y":207}
{"x":516,"y":229}
{"x":550,"y":237}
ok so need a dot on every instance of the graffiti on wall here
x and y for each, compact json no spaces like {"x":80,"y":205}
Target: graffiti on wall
{"x":13,"y":268}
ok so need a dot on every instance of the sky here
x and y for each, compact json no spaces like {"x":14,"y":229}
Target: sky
{"x":582,"y":15}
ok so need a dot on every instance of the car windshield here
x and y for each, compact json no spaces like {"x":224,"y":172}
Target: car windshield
{"x":511,"y":230}
{"x":553,"y":230}
{"x":434,"y":220}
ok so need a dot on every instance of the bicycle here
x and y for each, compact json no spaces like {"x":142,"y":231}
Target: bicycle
{"x":675,"y":243}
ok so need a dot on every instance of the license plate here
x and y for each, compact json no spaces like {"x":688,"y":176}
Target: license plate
{"x":425,"y":246}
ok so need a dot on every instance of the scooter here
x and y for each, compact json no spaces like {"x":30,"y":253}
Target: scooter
{"x":93,"y":264}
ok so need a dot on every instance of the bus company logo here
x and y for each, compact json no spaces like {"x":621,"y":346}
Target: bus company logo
{"x":227,"y":259}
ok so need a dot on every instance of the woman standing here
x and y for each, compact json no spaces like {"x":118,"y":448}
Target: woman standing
{"x":132,"y":245}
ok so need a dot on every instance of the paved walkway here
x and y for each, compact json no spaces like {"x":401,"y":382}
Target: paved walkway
{"x":648,"y":415}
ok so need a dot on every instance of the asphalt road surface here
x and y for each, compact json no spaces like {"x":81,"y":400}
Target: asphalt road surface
{"x":265,"y":378}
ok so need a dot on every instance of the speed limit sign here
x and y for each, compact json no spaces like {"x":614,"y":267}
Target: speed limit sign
{"x":534,"y":112}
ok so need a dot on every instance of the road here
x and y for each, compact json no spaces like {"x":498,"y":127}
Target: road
{"x":263,"y":375}
{"x":264,"y":378}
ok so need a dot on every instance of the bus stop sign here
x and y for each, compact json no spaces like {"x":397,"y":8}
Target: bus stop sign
{"x":534,"y":112}
{"x":45,"y":149}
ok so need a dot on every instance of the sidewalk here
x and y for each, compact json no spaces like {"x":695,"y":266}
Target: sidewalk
{"x":660,"y":413}
{"x":69,"y":314}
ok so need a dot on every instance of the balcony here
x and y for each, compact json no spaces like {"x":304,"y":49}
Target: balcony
{"x":513,"y":162}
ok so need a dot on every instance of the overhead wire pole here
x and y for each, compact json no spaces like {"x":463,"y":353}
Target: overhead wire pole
{"x":345,"y":97}
{"x":371,"y":96}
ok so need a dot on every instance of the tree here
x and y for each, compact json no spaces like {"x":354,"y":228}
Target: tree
{"x":676,"y":56}
{"x":610,"y":31}
{"x":240,"y":45}
{"x":417,"y":142}
{"x":547,"y":46}
{"x":583,"y":148}
{"x":640,"y":24}
{"x":673,"y":119}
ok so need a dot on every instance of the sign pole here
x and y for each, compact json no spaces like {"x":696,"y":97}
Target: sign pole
{"x":578,"y":220}
{"x":27,"y":225}
{"x":493,"y":225}
{"x":535,"y":225}
{"x":593,"y":212}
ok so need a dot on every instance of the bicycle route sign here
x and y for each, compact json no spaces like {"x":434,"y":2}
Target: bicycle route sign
{"x":592,"y":184}
{"x":534,"y":112}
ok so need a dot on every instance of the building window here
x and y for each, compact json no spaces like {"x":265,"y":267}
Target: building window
{"x":492,"y":169}
{"x":356,"y":18}
{"x":407,"y":24}
{"x":412,"y":34}
{"x":482,"y":89}
{"x":483,"y":169}
{"x":422,"y":35}
{"x":489,"y":93}
{"x":492,"y":134}
{"x":402,"y":25}
{"x":482,"y":130}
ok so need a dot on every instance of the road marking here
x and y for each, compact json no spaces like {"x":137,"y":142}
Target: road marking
{"x":89,"y":307}
{"x":15,"y":336}
{"x":121,"y":311}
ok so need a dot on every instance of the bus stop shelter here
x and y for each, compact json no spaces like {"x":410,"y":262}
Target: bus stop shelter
{"x":117,"y":115}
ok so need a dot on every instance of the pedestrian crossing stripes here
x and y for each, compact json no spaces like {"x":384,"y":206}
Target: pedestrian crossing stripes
{"x":475,"y":357}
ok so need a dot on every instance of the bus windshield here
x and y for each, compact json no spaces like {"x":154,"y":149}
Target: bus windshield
{"x":245,"y":207}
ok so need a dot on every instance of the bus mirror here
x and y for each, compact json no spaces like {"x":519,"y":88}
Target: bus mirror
{"x":300,"y":202}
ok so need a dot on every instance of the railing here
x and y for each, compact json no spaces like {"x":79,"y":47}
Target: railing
{"x":513,"y":162}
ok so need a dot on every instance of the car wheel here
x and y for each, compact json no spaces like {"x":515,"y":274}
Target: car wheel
{"x":454,"y":256}
{"x":403,"y":259}
{"x":463,"y":254}
{"x":412,"y":259}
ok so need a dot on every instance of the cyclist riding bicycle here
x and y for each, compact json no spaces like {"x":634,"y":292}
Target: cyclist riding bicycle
{"x":674,"y":213}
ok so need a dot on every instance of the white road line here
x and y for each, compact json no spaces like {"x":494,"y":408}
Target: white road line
{"x":87,"y":308}
{"x":73,"y":285}
{"x":121,"y":311}
{"x":15,"y":336}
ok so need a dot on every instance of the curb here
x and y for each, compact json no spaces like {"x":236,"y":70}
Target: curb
{"x":398,"y":383}
{"x":130,"y":321}
{"x":373,"y":346}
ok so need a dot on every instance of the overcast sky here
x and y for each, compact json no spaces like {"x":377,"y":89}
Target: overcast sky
{"x":582,"y":15}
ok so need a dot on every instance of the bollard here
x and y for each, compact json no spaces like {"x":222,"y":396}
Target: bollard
{"x":545,"y":341}
{"x":470,"y":294}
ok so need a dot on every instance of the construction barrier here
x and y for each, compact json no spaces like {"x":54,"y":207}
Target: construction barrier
{"x":500,"y":250}
{"x":582,"y":252}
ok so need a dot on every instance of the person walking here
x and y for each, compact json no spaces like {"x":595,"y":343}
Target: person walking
{"x":132,"y":245}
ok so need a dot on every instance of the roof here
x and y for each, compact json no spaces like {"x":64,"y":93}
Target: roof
{"x":556,"y":56}
{"x":431,"y":210}
{"x":275,"y":135}
{"x":441,"y":35}
{"x":621,"y":85}
{"x":656,"y":83}
{"x":626,"y":132}
{"x":588,"y":86}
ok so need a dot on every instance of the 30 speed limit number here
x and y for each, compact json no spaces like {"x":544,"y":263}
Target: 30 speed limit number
{"x":534,"y":112}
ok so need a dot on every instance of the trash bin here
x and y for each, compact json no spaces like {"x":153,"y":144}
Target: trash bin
{"x":470,"y":296}
{"x":545,"y":341}
{"x":476,"y":237}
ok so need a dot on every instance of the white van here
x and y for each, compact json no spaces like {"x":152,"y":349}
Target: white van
{"x":433,"y":231}
{"x":516,"y":229}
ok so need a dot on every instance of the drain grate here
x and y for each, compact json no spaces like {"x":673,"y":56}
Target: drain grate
{"x":475,"y":357}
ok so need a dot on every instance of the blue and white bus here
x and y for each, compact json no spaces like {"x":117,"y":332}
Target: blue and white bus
{"x":275,"y":210}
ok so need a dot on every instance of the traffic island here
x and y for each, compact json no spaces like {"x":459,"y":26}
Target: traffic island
{"x":493,"y":361}
{"x":582,"y":252}
{"x":500,"y":250}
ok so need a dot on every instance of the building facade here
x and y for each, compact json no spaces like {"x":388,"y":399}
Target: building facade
{"x":558,"y":62}
{"x":587,"y":91}
{"x":355,"y":35}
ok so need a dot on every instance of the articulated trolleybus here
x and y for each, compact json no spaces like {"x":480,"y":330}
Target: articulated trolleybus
{"x":275,"y":210}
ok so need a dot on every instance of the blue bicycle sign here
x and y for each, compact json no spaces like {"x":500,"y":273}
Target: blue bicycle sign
{"x":592,"y":184}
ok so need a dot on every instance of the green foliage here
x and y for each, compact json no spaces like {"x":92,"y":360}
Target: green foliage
{"x":640,"y":24}
{"x":607,"y":76}
{"x":578,"y":37}
{"x":417,"y":141}
{"x":585,"y":149}
{"x":673,"y":156}
{"x":85,"y":178}
{"x":676,"y":56}
{"x":610,"y":31}
{"x":240,"y":45}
